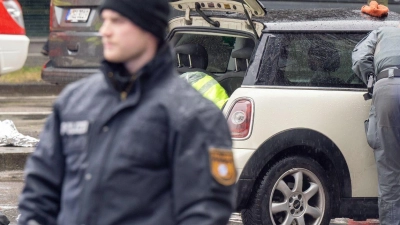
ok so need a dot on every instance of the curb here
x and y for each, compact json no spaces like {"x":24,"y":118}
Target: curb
{"x":366,"y":222}
{"x":347,"y":221}
{"x":13,"y":158}
{"x":34,"y":89}
{"x":12,"y":176}
{"x":38,"y":116}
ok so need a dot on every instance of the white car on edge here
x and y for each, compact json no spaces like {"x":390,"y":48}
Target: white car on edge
{"x":13,"y":40}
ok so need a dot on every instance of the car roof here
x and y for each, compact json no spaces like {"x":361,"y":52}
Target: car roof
{"x":348,"y":20}
{"x":326,"y":20}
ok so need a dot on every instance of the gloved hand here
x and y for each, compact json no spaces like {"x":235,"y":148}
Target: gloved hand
{"x":374,"y":9}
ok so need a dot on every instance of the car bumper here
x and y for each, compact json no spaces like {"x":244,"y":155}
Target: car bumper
{"x":241,"y":156}
{"x":13,"y":52}
{"x":65,"y":75}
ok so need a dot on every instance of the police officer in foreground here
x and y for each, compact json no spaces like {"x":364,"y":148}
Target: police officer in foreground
{"x":376,"y":59}
{"x":134,"y":144}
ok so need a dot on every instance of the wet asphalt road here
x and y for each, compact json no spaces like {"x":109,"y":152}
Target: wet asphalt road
{"x":29,"y":114}
{"x":10,"y":186}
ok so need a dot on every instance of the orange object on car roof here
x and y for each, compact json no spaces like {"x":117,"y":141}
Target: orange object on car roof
{"x":375,"y":9}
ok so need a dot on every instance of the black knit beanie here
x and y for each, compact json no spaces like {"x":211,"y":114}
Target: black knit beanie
{"x":150,"y":15}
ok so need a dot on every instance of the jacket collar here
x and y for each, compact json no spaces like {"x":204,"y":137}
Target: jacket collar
{"x":154,"y":72}
{"x":118,"y":77}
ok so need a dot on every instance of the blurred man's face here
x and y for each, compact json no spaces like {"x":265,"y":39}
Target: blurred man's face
{"x":123,"y":41}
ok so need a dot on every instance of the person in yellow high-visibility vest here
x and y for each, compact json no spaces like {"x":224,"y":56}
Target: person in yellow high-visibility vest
{"x":207,"y":86}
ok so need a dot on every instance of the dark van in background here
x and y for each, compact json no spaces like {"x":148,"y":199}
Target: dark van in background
{"x":75,"y":47}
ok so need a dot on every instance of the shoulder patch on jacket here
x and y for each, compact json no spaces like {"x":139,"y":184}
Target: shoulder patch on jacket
{"x":222,"y":166}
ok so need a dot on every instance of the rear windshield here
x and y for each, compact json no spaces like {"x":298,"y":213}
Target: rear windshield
{"x":219,"y":48}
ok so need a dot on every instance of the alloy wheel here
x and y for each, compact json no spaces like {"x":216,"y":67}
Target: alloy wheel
{"x":297,"y":199}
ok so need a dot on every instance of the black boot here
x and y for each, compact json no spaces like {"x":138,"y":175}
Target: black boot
{"x":3,"y":219}
{"x":45,"y":48}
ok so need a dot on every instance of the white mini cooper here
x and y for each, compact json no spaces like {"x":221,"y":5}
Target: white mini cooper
{"x":296,"y":109}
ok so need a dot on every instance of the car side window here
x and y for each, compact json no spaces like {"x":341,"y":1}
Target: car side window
{"x":317,"y":60}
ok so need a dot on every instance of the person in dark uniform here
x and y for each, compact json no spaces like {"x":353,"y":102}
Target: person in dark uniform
{"x":134,"y":144}
{"x":377,"y":58}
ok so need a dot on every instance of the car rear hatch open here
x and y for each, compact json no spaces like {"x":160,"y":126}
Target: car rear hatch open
{"x":254,"y":6}
{"x":249,"y":8}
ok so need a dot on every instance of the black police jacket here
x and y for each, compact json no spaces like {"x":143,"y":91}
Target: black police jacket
{"x":144,"y":160}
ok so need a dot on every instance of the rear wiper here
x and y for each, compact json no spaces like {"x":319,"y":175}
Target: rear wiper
{"x":210,"y":21}
{"x":250,"y":21}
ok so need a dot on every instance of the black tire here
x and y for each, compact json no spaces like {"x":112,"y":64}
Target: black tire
{"x":315,"y":209}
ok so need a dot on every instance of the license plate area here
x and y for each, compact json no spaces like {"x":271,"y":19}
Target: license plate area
{"x":77,"y":15}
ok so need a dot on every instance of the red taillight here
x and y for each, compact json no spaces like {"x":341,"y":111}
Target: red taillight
{"x":240,"y":118}
{"x":45,"y":65}
{"x":15,"y":11}
{"x":11,"y":19}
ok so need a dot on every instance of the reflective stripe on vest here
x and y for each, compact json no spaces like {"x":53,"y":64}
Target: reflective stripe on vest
{"x":208,"y":87}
